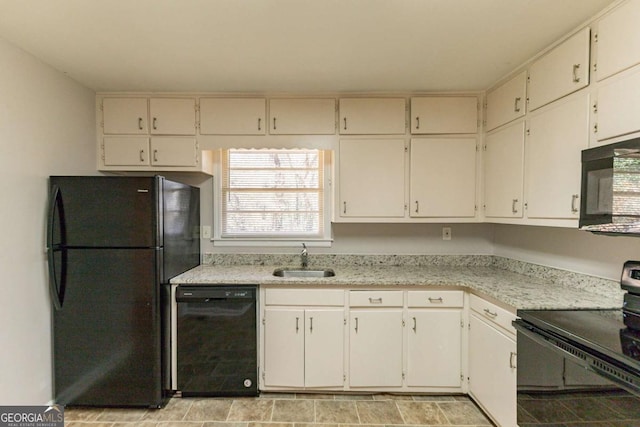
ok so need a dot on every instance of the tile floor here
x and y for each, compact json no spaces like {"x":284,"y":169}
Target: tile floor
{"x":290,"y":410}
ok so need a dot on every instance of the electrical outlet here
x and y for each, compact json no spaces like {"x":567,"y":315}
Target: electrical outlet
{"x":446,"y":233}
{"x":206,"y":231}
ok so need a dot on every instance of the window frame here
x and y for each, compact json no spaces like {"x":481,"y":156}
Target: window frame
{"x":324,"y":240}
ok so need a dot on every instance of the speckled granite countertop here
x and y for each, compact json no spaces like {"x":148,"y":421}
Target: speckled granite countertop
{"x":513,"y":284}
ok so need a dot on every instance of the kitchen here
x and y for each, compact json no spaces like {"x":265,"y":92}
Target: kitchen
{"x":51,"y":125}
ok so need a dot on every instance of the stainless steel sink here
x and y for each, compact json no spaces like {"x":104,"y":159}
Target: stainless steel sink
{"x":303,"y":272}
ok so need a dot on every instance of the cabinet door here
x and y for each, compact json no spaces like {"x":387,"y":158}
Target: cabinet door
{"x":560,"y":72}
{"x":507,"y":102}
{"x":618,"y":45}
{"x":557,"y":137}
{"x":174,"y":151}
{"x":125,"y":116}
{"x":324,"y":347}
{"x":618,"y":106}
{"x":492,"y":371}
{"x":302,"y":116}
{"x":284,"y":347}
{"x":372,"y":116}
{"x":443,"y":177}
{"x":173,"y":116}
{"x":232,"y":116}
{"x":504,"y":172}
{"x":434,"y":348}
{"x":375,"y":348}
{"x":444,"y":114}
{"x":372,"y":178}
{"x":126,"y":151}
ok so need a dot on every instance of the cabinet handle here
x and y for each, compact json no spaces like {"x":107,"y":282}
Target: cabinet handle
{"x":310,"y":324}
{"x":142,"y":156}
{"x":155,"y":155}
{"x":297,"y":324}
{"x":489,"y":313}
{"x":375,"y":300}
{"x":344,"y":209}
{"x":417,"y":122}
{"x":155,"y":120}
{"x":576,"y":77}
{"x":513,"y":206}
{"x":417,"y":206}
{"x":140,"y":123}
{"x":415,"y":325}
{"x":259,"y":123}
{"x":513,"y":360}
{"x":574,"y":198}
{"x":345,"y":123}
{"x":356,"y":325}
{"x":516,"y":105}
{"x":435,"y":300}
{"x":274,"y":124}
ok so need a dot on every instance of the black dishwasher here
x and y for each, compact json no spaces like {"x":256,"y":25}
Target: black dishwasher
{"x":217,"y":340}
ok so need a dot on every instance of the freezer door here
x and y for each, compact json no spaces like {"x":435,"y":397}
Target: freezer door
{"x":107,"y":341}
{"x":181,"y":228}
{"x":107,"y":211}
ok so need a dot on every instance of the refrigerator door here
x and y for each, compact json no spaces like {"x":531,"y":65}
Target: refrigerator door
{"x":107,"y":349}
{"x":181,"y":228}
{"x":105,"y":212}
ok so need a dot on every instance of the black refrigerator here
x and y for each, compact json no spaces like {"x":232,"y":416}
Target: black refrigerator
{"x":113,"y":244}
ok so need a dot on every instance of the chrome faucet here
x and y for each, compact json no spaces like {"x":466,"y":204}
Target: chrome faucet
{"x":304,"y":255}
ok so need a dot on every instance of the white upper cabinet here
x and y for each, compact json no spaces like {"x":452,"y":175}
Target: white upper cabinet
{"x":507,"y":102}
{"x":563,"y":70}
{"x":443,"y":177}
{"x":618,"y":106}
{"x":372,"y":116}
{"x":618,"y":40}
{"x":232,"y":116}
{"x":174,"y":151}
{"x":172,"y":116}
{"x":444,"y":114}
{"x":125,"y":116}
{"x":145,"y":151}
{"x":372,"y":178}
{"x":504,"y":172}
{"x":302,"y":116}
{"x":126,"y":151}
{"x":557,"y":135}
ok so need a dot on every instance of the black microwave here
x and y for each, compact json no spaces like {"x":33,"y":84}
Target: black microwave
{"x":610,"y":189}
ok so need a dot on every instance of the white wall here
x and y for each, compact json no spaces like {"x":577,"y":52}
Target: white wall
{"x":568,"y":249}
{"x":47,"y":127}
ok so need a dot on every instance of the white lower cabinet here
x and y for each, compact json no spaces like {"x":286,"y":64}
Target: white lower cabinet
{"x":492,"y":362}
{"x":375,"y":348}
{"x":303,"y":347}
{"x":434,"y":348}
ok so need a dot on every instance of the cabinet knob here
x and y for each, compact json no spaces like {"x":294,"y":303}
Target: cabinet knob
{"x":274,"y":124}
{"x":417,"y":122}
{"x":514,"y":209}
{"x":155,"y":155}
{"x":259,"y":123}
{"x":345,"y":123}
{"x":155,"y":121}
{"x":415,"y":325}
{"x":516,"y":104}
{"x":140,"y":123}
{"x":490,"y":313}
{"x":417,"y":206}
{"x":513,"y":360}
{"x":142,"y":156}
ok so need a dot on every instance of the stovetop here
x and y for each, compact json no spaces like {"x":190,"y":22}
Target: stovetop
{"x":602,"y":331}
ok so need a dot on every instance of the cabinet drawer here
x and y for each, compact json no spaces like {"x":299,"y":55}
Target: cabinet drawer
{"x":492,"y":313}
{"x":314,"y":297}
{"x":375,"y":299}
{"x":435,"y":299}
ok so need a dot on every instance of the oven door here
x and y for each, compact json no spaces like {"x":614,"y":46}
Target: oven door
{"x":561,"y":385}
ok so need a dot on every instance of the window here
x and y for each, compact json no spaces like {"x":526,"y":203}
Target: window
{"x":272,"y":194}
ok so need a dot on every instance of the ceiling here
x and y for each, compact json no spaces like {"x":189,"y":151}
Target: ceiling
{"x":289,"y":45}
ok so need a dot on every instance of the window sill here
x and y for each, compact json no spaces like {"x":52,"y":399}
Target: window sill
{"x":318,"y":243}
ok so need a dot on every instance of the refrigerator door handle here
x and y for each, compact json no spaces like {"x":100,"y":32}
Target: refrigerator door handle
{"x":57,"y":291}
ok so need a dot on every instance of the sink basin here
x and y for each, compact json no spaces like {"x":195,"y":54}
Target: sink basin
{"x":303,"y":272}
